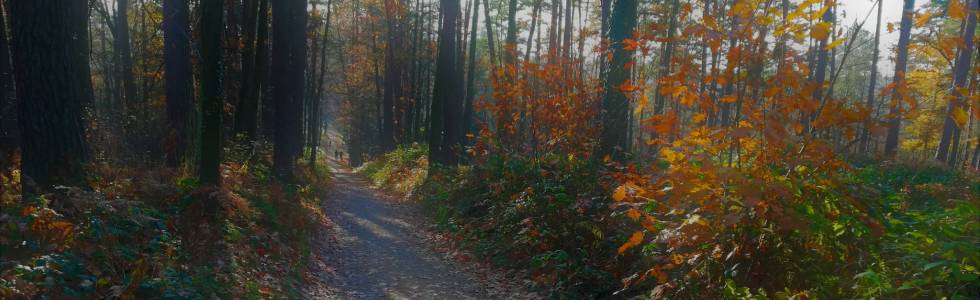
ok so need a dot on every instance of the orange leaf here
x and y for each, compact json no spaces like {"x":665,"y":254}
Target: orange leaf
{"x":620,"y":193}
{"x":956,"y":10}
{"x":820,"y":31}
{"x":634,"y":240}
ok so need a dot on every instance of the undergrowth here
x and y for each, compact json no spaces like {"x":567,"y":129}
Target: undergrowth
{"x":913,"y":233}
{"x":140,"y":234}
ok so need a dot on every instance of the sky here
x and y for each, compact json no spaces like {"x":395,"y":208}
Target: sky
{"x":855,"y":10}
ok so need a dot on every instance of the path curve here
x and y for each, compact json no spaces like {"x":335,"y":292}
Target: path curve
{"x":376,"y":248}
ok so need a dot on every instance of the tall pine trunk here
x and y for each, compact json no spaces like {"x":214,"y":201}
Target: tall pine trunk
{"x":52,"y":85}
{"x":901,"y":61}
{"x":614,"y":140}
{"x":211,"y":23}
{"x":179,"y":77}
{"x":961,"y":72}
{"x":246,"y":111}
{"x":872,"y":84}
{"x":443,"y":119}
{"x":288,"y":65}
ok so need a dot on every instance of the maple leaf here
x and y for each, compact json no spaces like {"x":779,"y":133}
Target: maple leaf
{"x":620,"y":193}
{"x":634,"y":240}
{"x":956,"y":10}
{"x":960,"y":116}
{"x":820,"y":31}
{"x":834,"y":44}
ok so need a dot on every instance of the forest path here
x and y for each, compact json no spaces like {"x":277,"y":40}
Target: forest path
{"x":380,"y":248}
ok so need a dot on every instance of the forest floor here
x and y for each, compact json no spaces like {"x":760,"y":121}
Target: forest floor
{"x":374,"y":246}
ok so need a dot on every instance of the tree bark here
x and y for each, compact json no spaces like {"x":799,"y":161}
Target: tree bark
{"x":179,"y":77}
{"x":872,"y":84}
{"x":288,"y":66}
{"x":901,"y":61}
{"x":52,"y":84}
{"x":471,"y":73}
{"x":246,"y":111}
{"x":444,"y":119}
{"x":961,"y":72}
{"x":614,"y":140}
{"x":212,"y":106}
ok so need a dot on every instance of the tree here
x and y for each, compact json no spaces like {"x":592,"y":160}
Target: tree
{"x":8,"y":101}
{"x":873,"y":81}
{"x":444,"y":110}
{"x":246,"y":111}
{"x":615,"y":105}
{"x":471,"y":72}
{"x":393,"y":73}
{"x":288,"y":65}
{"x":211,"y":25}
{"x":124,"y":56}
{"x":179,"y":77}
{"x":52,"y":84}
{"x":956,"y":116}
{"x":898,"y":82}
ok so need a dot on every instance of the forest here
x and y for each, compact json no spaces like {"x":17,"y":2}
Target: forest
{"x":489,"y":149}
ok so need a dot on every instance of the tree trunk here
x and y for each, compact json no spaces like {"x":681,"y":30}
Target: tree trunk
{"x":535,"y":13}
{"x":872,"y":84}
{"x":491,"y":48}
{"x":262,"y":74}
{"x":471,"y":72}
{"x":212,"y":106}
{"x":179,"y":77}
{"x":821,"y":69}
{"x":246,"y":111}
{"x":961,"y":72}
{"x":901,"y":61}
{"x":8,"y":101}
{"x":288,"y":66}
{"x":444,"y":127}
{"x":52,"y":85}
{"x":393,"y":73}
{"x":510,"y":46}
{"x":614,"y":140}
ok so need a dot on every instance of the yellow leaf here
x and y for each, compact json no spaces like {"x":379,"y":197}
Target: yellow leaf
{"x":922,"y":19}
{"x":634,"y":240}
{"x":956,"y":10}
{"x":960,"y":117}
{"x":834,"y":44}
{"x":890,"y":27}
{"x":698,"y":117}
{"x":728,"y":99}
{"x":642,"y":103}
{"x":620,"y":193}
{"x":820,"y":31}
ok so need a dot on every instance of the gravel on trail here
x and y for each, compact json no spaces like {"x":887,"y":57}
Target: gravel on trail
{"x":376,"y":247}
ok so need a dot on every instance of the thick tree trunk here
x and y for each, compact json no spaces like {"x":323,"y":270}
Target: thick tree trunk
{"x":212,"y":106}
{"x":444,"y":119}
{"x":246,"y":111}
{"x":52,"y":85}
{"x":901,"y":61}
{"x":961,"y":72}
{"x":288,"y":65}
{"x":393,"y":73}
{"x":614,"y":140}
{"x":179,"y":77}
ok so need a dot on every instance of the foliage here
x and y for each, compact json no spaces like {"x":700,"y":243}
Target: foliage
{"x":154,"y":234}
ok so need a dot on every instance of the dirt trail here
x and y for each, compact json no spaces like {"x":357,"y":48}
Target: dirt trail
{"x":377,"y":248}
